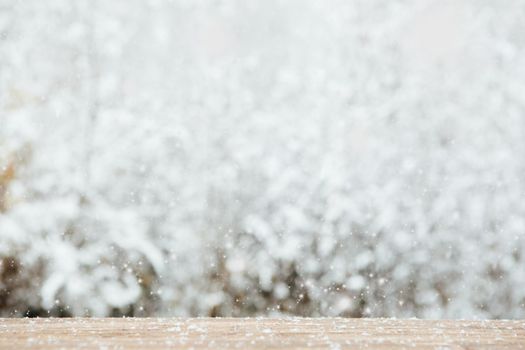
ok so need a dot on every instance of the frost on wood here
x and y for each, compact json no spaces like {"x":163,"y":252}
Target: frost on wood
{"x":353,"y":158}
{"x":259,"y":333}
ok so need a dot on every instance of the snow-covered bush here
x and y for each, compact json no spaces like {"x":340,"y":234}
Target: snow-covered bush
{"x":354,"y":158}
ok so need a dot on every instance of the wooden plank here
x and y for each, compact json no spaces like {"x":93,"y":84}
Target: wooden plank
{"x":259,"y":333}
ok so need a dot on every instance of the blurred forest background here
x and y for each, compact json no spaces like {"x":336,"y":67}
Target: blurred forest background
{"x":236,"y":158}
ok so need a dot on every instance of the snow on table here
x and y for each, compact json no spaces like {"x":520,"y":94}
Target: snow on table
{"x":259,"y":333}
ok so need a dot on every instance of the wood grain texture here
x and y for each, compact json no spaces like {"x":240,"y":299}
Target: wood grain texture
{"x":259,"y":333}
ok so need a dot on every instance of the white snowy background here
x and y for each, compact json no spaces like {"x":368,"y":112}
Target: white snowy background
{"x":353,"y":158}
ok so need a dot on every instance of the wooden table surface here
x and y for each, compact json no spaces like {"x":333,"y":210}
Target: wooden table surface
{"x":259,"y":333}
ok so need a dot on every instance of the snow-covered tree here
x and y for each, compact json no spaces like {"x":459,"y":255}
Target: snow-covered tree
{"x":354,"y":158}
